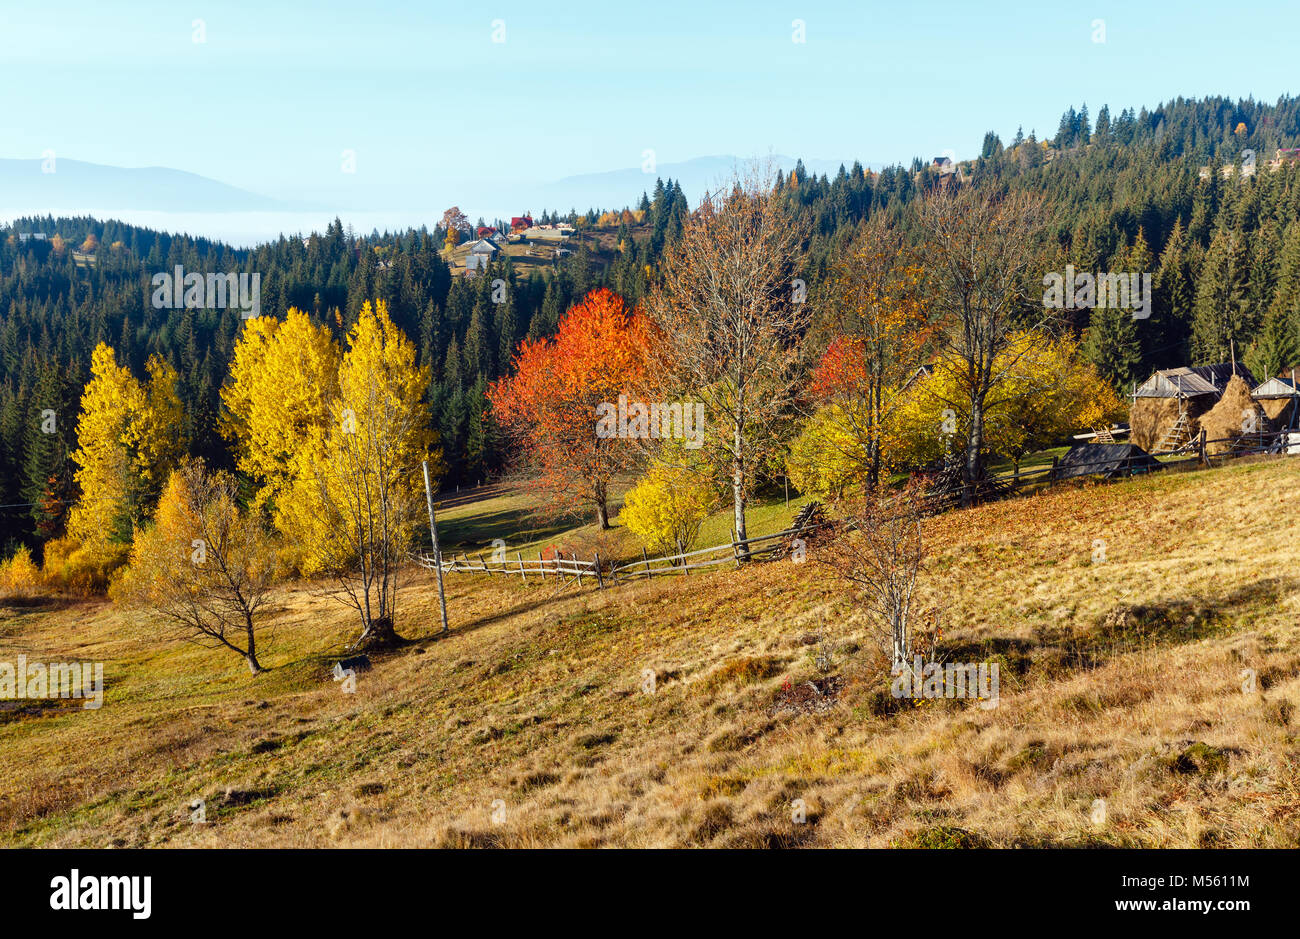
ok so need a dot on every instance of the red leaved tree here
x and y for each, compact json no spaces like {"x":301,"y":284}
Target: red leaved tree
{"x":549,"y":404}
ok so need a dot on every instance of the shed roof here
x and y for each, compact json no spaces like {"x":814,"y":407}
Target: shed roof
{"x":1106,"y":459}
{"x":1275,"y":388}
{"x":1192,"y":381}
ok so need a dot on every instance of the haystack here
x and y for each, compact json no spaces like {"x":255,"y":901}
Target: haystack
{"x":1234,"y":416}
{"x":1168,"y":405}
{"x":1281,"y":411}
{"x":1149,"y":419}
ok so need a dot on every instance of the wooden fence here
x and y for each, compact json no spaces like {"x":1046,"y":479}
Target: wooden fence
{"x":761,"y":548}
{"x":1197,"y":451}
{"x":566,"y":571}
{"x":559,"y":569}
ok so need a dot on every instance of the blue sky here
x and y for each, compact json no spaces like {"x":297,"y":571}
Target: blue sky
{"x":428,"y":102}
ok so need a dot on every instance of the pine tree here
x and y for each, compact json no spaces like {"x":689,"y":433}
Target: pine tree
{"x":507,"y":330}
{"x":453,"y":368}
{"x":47,"y":474}
{"x":479,"y":353}
{"x":1111,"y":344}
{"x":1221,"y":313}
{"x":1276,"y":345}
{"x":1175,"y":295}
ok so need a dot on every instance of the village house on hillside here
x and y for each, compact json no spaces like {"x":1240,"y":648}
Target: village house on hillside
{"x":949,"y":170}
{"x":481,"y":253}
{"x":1281,"y":157}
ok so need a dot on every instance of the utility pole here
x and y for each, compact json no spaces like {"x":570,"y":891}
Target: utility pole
{"x":437,"y":552}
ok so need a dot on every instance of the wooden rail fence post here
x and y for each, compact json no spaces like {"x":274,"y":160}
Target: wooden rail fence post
{"x":1205,"y":457}
{"x":682,"y":552}
{"x":522,"y":572}
{"x":646,"y":561}
{"x":577,"y":566}
{"x":600,"y":579}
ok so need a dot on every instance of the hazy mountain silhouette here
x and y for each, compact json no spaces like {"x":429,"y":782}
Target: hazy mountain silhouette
{"x":79,"y":186}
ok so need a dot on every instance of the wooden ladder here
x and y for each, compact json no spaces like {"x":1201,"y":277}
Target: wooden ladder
{"x":1177,"y":436}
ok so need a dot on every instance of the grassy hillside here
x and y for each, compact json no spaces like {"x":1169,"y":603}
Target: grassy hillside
{"x":1121,"y":680}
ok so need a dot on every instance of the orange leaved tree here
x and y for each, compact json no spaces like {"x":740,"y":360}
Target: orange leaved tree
{"x":549,"y":404}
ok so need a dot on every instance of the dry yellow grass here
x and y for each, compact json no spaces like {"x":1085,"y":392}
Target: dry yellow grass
{"x":1123,"y":618}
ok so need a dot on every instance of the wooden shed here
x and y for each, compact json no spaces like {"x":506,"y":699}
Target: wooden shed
{"x":1107,"y":460}
{"x":1278,"y":398}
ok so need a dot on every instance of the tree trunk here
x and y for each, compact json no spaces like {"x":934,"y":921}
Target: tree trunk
{"x":974,"y":444}
{"x":873,"y":471}
{"x":600,"y":497}
{"x":251,"y":656}
{"x":738,"y":495}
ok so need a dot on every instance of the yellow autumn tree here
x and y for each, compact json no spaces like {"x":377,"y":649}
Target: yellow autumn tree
{"x":111,"y":398}
{"x":129,"y":436}
{"x":875,"y":312}
{"x":669,"y":503}
{"x":829,"y":456}
{"x":157,"y":436}
{"x":283,"y":379}
{"x":19,"y":575}
{"x":1044,"y":390}
{"x":356,"y":500}
{"x":202,"y":564}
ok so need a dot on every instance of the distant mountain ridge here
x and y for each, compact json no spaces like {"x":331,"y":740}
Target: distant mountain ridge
{"x":78,"y":186}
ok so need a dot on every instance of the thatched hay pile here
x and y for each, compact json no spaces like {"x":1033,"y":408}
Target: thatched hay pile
{"x":1232,"y":417}
{"x":1278,"y":409}
{"x":1149,"y":419}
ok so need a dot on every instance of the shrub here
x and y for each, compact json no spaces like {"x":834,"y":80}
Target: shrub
{"x":827,"y":458}
{"x":942,"y":837}
{"x":19,"y":576}
{"x":668,"y":506}
{"x":82,"y":568}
